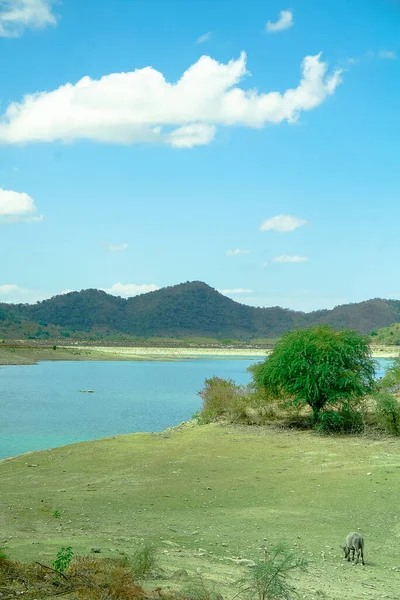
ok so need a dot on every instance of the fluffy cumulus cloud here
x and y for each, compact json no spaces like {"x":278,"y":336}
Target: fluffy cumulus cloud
{"x":126,"y":290}
{"x":18,"y":15}
{"x":237,"y":252}
{"x":141,"y":106}
{"x":282,"y":223}
{"x":17,"y":206}
{"x":229,"y":292}
{"x":204,"y":38}
{"x":285,"y":21}
{"x":286,"y":258}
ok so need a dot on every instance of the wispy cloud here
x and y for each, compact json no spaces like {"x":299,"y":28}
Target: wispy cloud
{"x":384,"y":54}
{"x":285,"y":21}
{"x":234,"y":291}
{"x":116,"y":247}
{"x":286,"y":258}
{"x":387,"y":54}
{"x":237,"y":252}
{"x":204,"y":38}
{"x":126,"y":290}
{"x":282,"y":223}
{"x":18,"y":15}
{"x":142,"y":106}
{"x":16,"y":207}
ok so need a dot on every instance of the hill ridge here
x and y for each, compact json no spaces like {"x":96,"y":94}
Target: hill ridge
{"x":192,"y":308}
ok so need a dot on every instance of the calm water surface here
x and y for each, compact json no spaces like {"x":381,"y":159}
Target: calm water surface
{"x":42,"y":407}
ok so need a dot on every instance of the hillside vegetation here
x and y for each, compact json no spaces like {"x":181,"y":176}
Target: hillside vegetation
{"x":387,"y":336}
{"x":191,"y":309}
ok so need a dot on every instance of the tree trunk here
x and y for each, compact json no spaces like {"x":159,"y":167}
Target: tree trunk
{"x":316,"y":411}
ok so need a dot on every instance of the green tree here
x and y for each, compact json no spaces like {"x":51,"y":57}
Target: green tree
{"x":318,"y":366}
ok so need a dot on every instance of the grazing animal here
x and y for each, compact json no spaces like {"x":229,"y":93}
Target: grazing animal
{"x":354,"y":543}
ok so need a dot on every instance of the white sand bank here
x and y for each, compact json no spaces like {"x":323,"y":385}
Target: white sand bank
{"x":175,"y":353}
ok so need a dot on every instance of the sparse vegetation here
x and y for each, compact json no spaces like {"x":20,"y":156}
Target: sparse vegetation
{"x":221,"y":488}
{"x":269,"y":579}
{"x":143,"y":562}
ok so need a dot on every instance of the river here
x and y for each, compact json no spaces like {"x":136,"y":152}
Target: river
{"x":42,"y":405}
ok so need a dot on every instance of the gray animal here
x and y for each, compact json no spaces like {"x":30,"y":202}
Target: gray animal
{"x":354,"y":543}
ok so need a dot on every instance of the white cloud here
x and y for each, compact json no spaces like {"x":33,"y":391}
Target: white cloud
{"x":282,"y":223}
{"x":18,"y":15}
{"x":17,"y":206}
{"x":204,"y":38}
{"x":235,"y":291}
{"x":285,"y":258}
{"x":237,"y":252}
{"x":285,"y":21}
{"x":15,"y":294}
{"x":141,"y":106}
{"x":116,"y":247}
{"x":130,"y":289}
{"x":387,"y":54}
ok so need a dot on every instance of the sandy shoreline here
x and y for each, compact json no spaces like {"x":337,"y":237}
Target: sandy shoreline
{"x":175,"y":353}
{"x":20,"y":355}
{"x":143,"y":353}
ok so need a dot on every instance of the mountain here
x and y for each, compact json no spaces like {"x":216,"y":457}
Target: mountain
{"x":190,"y":309}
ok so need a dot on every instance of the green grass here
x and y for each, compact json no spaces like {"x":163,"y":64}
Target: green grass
{"x":224,"y":490}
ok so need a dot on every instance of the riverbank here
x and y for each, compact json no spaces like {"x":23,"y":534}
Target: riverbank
{"x":210,"y":498}
{"x":21,"y":354}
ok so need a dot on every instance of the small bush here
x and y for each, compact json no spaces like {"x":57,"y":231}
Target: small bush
{"x":63,"y":559}
{"x":387,"y":409}
{"x":248,"y":405}
{"x":221,"y":398}
{"x":143,"y":562}
{"x":200,"y":589}
{"x":269,"y":578}
{"x":344,"y":420}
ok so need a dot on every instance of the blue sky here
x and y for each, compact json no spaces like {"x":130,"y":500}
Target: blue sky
{"x":251,"y":145}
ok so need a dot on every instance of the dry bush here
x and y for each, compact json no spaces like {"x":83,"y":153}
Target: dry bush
{"x":86,"y":578}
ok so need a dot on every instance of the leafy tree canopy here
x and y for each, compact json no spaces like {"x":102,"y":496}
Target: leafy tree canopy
{"x":318,"y":366}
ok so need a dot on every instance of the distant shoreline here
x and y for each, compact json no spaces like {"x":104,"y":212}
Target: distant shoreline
{"x":20,"y":354}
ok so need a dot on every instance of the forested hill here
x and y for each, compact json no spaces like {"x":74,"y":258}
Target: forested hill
{"x":191,"y":309}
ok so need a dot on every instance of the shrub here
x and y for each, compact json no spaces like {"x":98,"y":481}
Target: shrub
{"x":221,"y":398}
{"x":143,"y":562}
{"x":63,"y":559}
{"x":346,"y":420}
{"x":269,"y":578}
{"x":200,"y":589}
{"x":387,"y":409}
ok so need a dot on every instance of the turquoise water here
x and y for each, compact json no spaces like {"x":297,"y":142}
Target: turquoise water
{"x":42,"y":407}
